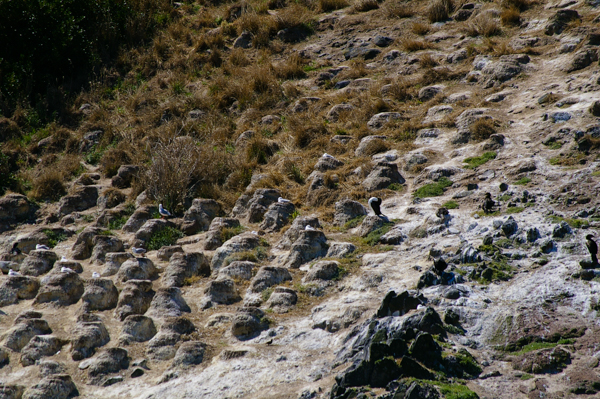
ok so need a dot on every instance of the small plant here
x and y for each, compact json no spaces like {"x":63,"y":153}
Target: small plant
{"x":474,"y":162}
{"x":415,"y":45}
{"x":118,"y":223}
{"x":266,"y":293}
{"x":365,"y":5}
{"x":510,"y":16}
{"x":332,"y":5}
{"x":433,"y":189}
{"x":526,"y":377}
{"x":395,"y":9}
{"x":294,"y":215}
{"x":419,"y":28}
{"x":515,"y":209}
{"x":523,"y":181}
{"x":450,"y":205}
{"x":54,"y":237}
{"x":482,"y":129}
{"x":163,"y":238}
{"x":354,"y":222}
{"x":439,"y":10}
{"x":229,"y":232}
{"x":395,"y":187}
{"x":374,"y":236}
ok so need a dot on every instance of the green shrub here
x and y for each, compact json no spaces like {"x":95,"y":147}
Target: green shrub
{"x":474,"y":162}
{"x":230,"y":232}
{"x":163,"y":238}
{"x":433,"y":189}
{"x":450,"y":205}
{"x":352,"y":223}
{"x":54,"y":237}
{"x":374,"y":236}
{"x":523,"y":181}
{"x":118,"y":223}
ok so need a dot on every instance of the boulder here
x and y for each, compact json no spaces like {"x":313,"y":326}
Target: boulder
{"x":104,"y":244}
{"x":559,"y":21}
{"x":173,"y":331}
{"x":346,"y":210}
{"x":82,"y":249}
{"x":509,"y":227}
{"x":268,"y":276}
{"x":80,"y":199}
{"x":58,"y":386}
{"x":165,"y":253}
{"x":248,"y":322}
{"x":38,"y":262}
{"x":107,"y":200}
{"x":340,"y":249}
{"x":244,"y":40}
{"x":382,"y":175}
{"x":582,"y":59}
{"x":282,"y":300}
{"x":326,"y":163}
{"x":71,"y":264}
{"x":138,"y":218}
{"x":240,"y":243}
{"x":168,"y":302}
{"x":323,"y":270}
{"x":437,"y":113}
{"x":8,"y":391}
{"x":40,"y":346}
{"x":137,"y":269}
{"x":370,"y":144}
{"x":88,"y":334}
{"x":428,"y":92}
{"x":14,"y":288}
{"x":125,"y":175}
{"x":395,"y":236}
{"x":214,"y":236}
{"x":111,"y":360}
{"x":370,"y":224}
{"x":381,"y":119}
{"x":561,"y":229}
{"x":135,"y":298}
{"x":507,"y":67}
{"x":21,"y":333}
{"x":152,"y":227}
{"x":334,"y":113}
{"x":15,"y":207}
{"x":399,"y":304}
{"x":183,"y":266}
{"x":190,"y":353}
{"x":113,"y":262}
{"x":238,"y":270}
{"x":99,"y":294}
{"x":221,"y":291}
{"x":199,"y":216}
{"x":297,"y":227}
{"x":50,"y":367}
{"x":548,"y":360}
{"x":137,"y":328}
{"x":253,"y":208}
{"x":277,"y":216}
{"x":309,"y":245}
{"x":60,"y":288}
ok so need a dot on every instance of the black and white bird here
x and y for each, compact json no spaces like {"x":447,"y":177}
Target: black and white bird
{"x":95,"y":275}
{"x":488,"y":203}
{"x":11,"y":272}
{"x":15,"y":249}
{"x":41,"y":246}
{"x":138,"y":251}
{"x":375,"y":204}
{"x":592,"y":247}
{"x":439,"y":264}
{"x":282,"y":200}
{"x":163,"y":212}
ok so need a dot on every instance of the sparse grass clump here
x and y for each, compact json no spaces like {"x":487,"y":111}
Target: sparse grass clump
{"x":164,"y":238}
{"x":415,"y":45}
{"x":483,"y":25}
{"x":230,"y":232}
{"x":374,"y":236}
{"x":450,"y":205}
{"x":474,"y":162}
{"x":510,"y":16}
{"x":482,"y":129}
{"x":419,"y":28}
{"x":365,"y":5}
{"x":54,"y":237}
{"x":439,"y":10}
{"x":394,"y":9}
{"x":433,"y":189}
{"x":48,"y":185}
{"x":332,"y":5}
{"x":353,"y":222}
{"x":523,"y":181}
{"x":118,"y":223}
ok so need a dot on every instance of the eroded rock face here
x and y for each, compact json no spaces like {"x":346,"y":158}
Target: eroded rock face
{"x":214,"y":236}
{"x":253,"y":208}
{"x":241,"y":270}
{"x":347,"y":210}
{"x":103,"y":245}
{"x":185,"y":265}
{"x":81,"y":198}
{"x":268,"y":276}
{"x":293,"y":233}
{"x":135,"y":298}
{"x":277,"y":216}
{"x":309,"y":245}
{"x":543,"y":361}
{"x":168,"y":302}
{"x":82,"y":249}
{"x":282,"y":299}
{"x":137,"y":269}
{"x":221,"y":291}
{"x":200,"y":215}
{"x":88,"y":334}
{"x":113,"y":262}
{"x":139,"y":217}
{"x":110,"y":361}
{"x":15,"y":207}
{"x":25,"y":329}
{"x":399,"y":304}
{"x":323,"y":270}
{"x":189,"y":354}
{"x":99,"y":294}
{"x":164,"y":345}
{"x":239,"y":243}
{"x":11,"y":391}
{"x":137,"y":328}
{"x":40,"y":346}
{"x":382,"y":175}
{"x":14,"y":288}
{"x":248,"y":322}
{"x":59,"y":386}
{"x":60,"y":288}
{"x":38,"y":262}
{"x":125,"y":175}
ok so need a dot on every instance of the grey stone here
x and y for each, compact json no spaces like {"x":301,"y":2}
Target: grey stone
{"x":240,"y":270}
{"x":168,"y":302}
{"x":137,"y":328}
{"x":38,"y":262}
{"x":381,"y":119}
{"x":81,"y":198}
{"x":40,"y":346}
{"x":60,"y":288}
{"x":23,"y":331}
{"x":323,"y":270}
{"x":214,"y":236}
{"x":138,"y":218}
{"x":125,"y":175}
{"x":277,"y":216}
{"x":268,"y":276}
{"x":88,"y":334}
{"x":137,"y":269}
{"x":346,"y":210}
{"x":99,"y":294}
{"x":14,"y":288}
{"x":58,"y":386}
{"x":135,"y":298}
{"x":253,"y":208}
{"x":340,"y":249}
{"x":104,"y":244}
{"x":370,"y":224}
{"x":382,"y":175}
{"x":247,"y":322}
{"x":282,"y":300}
{"x":239,"y":243}
{"x":190,"y":353}
{"x":165,"y":253}
{"x":183,"y":266}
{"x":221,"y":291}
{"x":113,"y":262}
{"x":244,"y":40}
{"x":111,"y":360}
{"x":199,"y":216}
{"x":428,"y":92}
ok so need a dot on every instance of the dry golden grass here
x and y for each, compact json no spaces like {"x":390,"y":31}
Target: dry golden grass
{"x":510,"y":16}
{"x":520,"y":5}
{"x":395,"y":9}
{"x":483,"y":25}
{"x":415,"y":45}
{"x":48,"y":184}
{"x":291,"y":68}
{"x":332,"y":5}
{"x":419,"y":28}
{"x":482,"y":129}
{"x":427,"y":61}
{"x":439,"y":10}
{"x":365,"y":5}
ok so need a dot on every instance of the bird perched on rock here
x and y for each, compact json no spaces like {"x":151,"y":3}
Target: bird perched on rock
{"x":15,"y":249}
{"x":11,"y":272}
{"x":439,"y":264}
{"x":163,"y":212}
{"x":95,"y":275}
{"x":326,"y":155}
{"x":592,"y":247}
{"x":442,"y":213}
{"x":139,"y":251}
{"x":308,"y":227}
{"x":41,"y":246}
{"x":283,"y":200}
{"x":64,"y":259}
{"x":488,"y":203}
{"x":375,"y":204}
{"x":66,"y":270}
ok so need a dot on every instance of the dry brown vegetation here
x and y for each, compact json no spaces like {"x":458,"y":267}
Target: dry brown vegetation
{"x":483,"y":25}
{"x":439,"y":10}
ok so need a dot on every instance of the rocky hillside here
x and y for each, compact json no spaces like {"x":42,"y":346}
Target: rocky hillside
{"x":265,"y":127}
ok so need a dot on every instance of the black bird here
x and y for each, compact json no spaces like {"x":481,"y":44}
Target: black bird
{"x":592,"y":247}
{"x":488,"y":203}
{"x":439,"y":264}
{"x":15,"y":249}
{"x":375,"y":203}
{"x":442,"y":213}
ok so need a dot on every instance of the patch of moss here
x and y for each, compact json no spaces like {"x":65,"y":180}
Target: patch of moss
{"x":354,"y":222}
{"x":379,"y":336}
{"x":504,"y":197}
{"x":523,"y":181}
{"x":118,"y":223}
{"x":474,"y":162}
{"x":433,"y":189}
{"x":395,"y":187}
{"x":488,"y":214}
{"x":514,"y":209}
{"x":455,"y":391}
{"x":452,"y":329}
{"x":266,"y":293}
{"x":374,"y":236}
{"x":230,"y":232}
{"x":54,"y":237}
{"x":450,"y":205}
{"x":468,"y":362}
{"x":163,"y":238}
{"x":526,"y":377}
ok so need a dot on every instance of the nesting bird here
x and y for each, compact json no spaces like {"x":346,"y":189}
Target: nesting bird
{"x":95,"y":275}
{"x":326,"y":155}
{"x":375,"y":204}
{"x":41,"y":246}
{"x":283,"y":200}
{"x":592,"y":247}
{"x":11,"y":272}
{"x":308,"y":227}
{"x":64,"y":259}
{"x":163,"y":212}
{"x":488,"y":203}
{"x":139,"y":251}
{"x":439,"y":264}
{"x":66,"y":270}
{"x":15,"y":249}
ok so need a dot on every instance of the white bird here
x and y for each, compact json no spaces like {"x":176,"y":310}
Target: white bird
{"x":41,"y":246}
{"x":66,"y":270}
{"x":419,"y":307}
{"x":64,"y":259}
{"x":11,"y":272}
{"x":309,"y":228}
{"x":326,"y":155}
{"x":254,"y":232}
{"x":163,"y":212}
{"x":95,"y":275}
{"x":283,"y":200}
{"x":138,"y":251}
